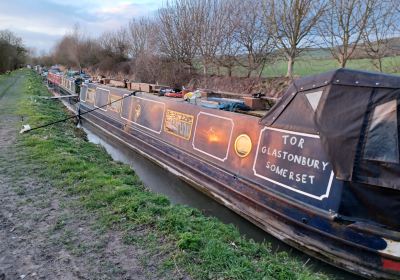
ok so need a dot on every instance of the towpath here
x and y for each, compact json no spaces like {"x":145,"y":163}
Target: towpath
{"x":44,"y":233}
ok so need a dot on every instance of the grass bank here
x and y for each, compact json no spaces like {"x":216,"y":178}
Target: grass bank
{"x":203,"y":247}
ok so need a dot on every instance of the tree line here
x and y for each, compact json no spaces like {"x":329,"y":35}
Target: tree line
{"x":185,"y":37}
{"x":13,"y":54}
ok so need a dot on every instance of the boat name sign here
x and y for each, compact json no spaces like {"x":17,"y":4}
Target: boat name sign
{"x":294,"y":161}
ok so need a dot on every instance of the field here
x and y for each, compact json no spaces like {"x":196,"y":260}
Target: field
{"x":310,"y":65}
{"x":319,"y":61}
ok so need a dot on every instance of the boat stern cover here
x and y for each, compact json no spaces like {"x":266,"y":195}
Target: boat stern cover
{"x":356,"y":114}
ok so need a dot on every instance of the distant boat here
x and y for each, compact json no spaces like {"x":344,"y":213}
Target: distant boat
{"x":320,"y":171}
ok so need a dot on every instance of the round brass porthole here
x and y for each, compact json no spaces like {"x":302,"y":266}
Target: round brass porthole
{"x":243,"y":145}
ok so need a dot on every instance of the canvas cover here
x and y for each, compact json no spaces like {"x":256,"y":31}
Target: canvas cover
{"x":356,"y":115}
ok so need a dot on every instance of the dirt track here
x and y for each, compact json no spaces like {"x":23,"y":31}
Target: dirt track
{"x":45,"y":233}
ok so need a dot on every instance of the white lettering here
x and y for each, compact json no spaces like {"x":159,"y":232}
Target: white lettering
{"x":264,"y":149}
{"x":298,"y":159}
{"x":281,"y":170}
{"x":285,"y":173}
{"x":301,"y":142}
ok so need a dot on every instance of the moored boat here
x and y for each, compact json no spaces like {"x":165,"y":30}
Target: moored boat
{"x":319,"y":171}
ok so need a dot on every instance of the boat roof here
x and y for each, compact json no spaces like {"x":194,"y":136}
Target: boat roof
{"x":348,"y":77}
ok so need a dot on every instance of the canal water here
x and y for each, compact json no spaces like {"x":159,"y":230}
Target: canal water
{"x":164,"y":182}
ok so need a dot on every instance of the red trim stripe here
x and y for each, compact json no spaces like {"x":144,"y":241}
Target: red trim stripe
{"x":392,"y":265}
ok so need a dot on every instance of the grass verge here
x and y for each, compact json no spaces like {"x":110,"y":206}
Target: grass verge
{"x":203,"y":247}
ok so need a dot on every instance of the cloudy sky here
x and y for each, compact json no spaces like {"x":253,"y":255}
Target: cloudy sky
{"x":40,"y":23}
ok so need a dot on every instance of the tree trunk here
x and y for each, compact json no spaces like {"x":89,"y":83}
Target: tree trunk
{"x":205,"y":68}
{"x":229,"y":71}
{"x":248,"y":73}
{"x":262,"y":69}
{"x":343,"y":61}
{"x":249,"y":66}
{"x":380,"y":64}
{"x":290,"y":67}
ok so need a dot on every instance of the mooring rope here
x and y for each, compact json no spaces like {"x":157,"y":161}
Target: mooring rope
{"x":27,"y":127}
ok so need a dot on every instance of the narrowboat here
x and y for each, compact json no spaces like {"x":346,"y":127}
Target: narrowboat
{"x":320,"y":171}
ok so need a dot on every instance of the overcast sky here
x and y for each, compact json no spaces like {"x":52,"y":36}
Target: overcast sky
{"x":40,"y":23}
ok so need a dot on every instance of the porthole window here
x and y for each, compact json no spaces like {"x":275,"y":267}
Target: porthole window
{"x":382,"y":136}
{"x":243,"y":145}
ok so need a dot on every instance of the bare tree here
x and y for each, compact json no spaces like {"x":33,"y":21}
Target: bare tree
{"x":228,"y":48}
{"x":143,"y":36}
{"x":177,"y":31}
{"x":255,"y":39}
{"x":210,"y":17}
{"x":343,"y":26}
{"x":381,"y":29}
{"x":144,"y":50}
{"x":75,"y":49}
{"x":115,"y":44}
{"x":293,"y":22}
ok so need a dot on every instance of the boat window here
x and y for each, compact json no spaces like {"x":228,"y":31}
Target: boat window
{"x":126,"y":107}
{"x":101,"y":98}
{"x":382,"y":136}
{"x":90,"y":95}
{"x":83,"y":93}
{"x":297,"y":116}
{"x":114,"y":103}
{"x":314,"y":98}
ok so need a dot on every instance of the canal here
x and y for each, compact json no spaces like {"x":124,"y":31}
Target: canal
{"x":160,"y":180}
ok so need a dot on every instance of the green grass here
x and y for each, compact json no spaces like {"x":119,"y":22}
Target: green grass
{"x":309,"y":66}
{"x":202,"y":246}
{"x":315,"y":63}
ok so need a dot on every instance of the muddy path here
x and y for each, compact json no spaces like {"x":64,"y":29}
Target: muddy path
{"x":44,"y":232}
